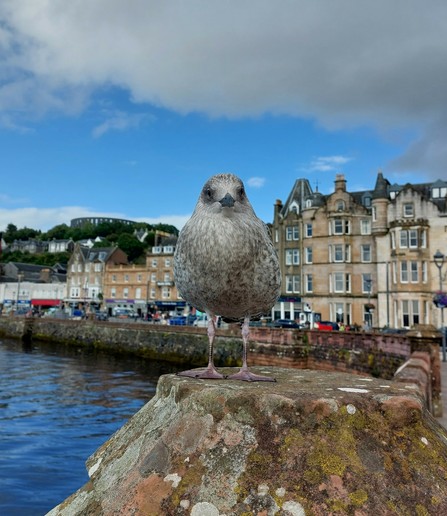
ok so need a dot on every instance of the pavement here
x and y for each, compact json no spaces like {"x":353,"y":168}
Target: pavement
{"x":443,"y":419}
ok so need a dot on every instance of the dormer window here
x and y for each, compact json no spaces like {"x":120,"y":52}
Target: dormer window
{"x":294,"y":208}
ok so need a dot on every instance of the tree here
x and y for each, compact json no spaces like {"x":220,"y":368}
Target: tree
{"x":131,"y":246}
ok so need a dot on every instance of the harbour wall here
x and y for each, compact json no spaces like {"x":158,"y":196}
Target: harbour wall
{"x":412,"y":358}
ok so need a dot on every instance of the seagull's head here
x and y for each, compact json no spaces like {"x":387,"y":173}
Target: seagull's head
{"x":224,"y":194}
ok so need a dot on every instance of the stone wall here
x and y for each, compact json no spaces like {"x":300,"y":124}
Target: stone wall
{"x":375,"y":354}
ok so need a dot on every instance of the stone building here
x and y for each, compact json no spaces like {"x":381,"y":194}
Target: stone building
{"x":149,"y":287}
{"x":361,"y":256}
{"x":86,"y":272}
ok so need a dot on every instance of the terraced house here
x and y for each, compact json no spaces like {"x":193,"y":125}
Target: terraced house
{"x":364,"y":256}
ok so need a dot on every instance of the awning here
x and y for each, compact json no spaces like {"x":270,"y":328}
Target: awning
{"x":45,"y":302}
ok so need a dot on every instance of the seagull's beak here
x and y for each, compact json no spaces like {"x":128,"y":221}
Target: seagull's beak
{"x":227,"y":201}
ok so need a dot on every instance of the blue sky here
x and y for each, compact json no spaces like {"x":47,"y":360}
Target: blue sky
{"x":125,"y":109}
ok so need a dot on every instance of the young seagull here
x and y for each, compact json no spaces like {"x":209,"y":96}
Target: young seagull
{"x":225,"y":265}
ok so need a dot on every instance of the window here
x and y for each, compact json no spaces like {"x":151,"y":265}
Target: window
{"x":126,"y":278}
{"x":79,"y":267}
{"x":366,"y":283}
{"x":408,"y":209}
{"x":153,"y":277}
{"x":152,"y":293}
{"x":98,"y":267}
{"x":424,"y":272}
{"x":87,"y":267}
{"x":338,"y":253}
{"x":414,"y":274}
{"x":308,"y":229}
{"x":125,"y":293}
{"x":114,"y":278}
{"x":413,"y":238}
{"x":138,"y":293}
{"x":374,"y":214}
{"x":113,"y":292}
{"x":292,"y":256}
{"x":309,"y":283}
{"x":403,"y":242}
{"x":338,"y":227}
{"x":308,"y":254}
{"x":339,"y":282}
{"x":393,"y":240}
{"x":340,"y":205}
{"x":139,"y":278}
{"x":410,"y":312}
{"x":366,"y":252}
{"x":167,"y":262}
{"x":166,"y":293}
{"x":404,"y":272}
{"x":292,"y":283}
{"x":365,"y":227}
{"x":154,"y":262}
{"x":167,"y":276}
{"x":292,"y":233}
{"x":342,"y":226}
{"x":423,"y":242}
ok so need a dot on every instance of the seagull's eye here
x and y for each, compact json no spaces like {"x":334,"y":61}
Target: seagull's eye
{"x":241,"y":192}
{"x":208,"y":193}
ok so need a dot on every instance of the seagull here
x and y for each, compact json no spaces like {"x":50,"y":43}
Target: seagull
{"x":225,"y":265}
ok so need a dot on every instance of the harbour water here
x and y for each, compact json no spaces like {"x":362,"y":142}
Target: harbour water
{"x":58,"y":404}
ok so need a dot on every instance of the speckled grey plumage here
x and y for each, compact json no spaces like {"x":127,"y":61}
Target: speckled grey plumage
{"x":225,"y":263}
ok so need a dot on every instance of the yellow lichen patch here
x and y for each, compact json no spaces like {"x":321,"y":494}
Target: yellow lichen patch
{"x":421,"y":510}
{"x":359,"y":497}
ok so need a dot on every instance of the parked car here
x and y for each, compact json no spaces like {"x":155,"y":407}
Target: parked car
{"x":286,"y":323}
{"x":327,"y":326}
{"x":178,"y":320}
{"x":101,"y":316}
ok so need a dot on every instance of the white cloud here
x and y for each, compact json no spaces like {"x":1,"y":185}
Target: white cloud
{"x":381,"y":64}
{"x":256,"y":182}
{"x":119,"y":121}
{"x":327,"y":163}
{"x":46,"y":218}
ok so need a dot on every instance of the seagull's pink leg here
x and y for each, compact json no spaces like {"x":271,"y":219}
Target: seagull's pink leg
{"x":210,"y":372}
{"x":244,"y":373}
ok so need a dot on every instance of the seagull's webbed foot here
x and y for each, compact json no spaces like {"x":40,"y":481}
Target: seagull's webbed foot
{"x":246,"y":375}
{"x":209,"y":373}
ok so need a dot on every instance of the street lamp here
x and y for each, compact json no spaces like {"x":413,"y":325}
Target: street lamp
{"x":439,"y":260}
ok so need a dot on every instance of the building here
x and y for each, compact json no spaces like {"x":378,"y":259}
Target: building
{"x":145,"y":288}
{"x":86,"y":274}
{"x":363,"y":256}
{"x":125,"y":286}
{"x":61,"y":246}
{"x":162,"y":292}
{"x":25,"y":285}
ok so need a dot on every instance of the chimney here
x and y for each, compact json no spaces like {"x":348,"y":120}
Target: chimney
{"x":340,"y":182}
{"x":45,"y":275}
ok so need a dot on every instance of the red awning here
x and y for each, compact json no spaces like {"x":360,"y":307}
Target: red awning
{"x":46,"y":302}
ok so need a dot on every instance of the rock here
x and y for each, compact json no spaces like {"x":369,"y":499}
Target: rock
{"x":312,"y":443}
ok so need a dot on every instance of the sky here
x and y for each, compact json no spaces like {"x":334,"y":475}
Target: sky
{"x":124,"y":108}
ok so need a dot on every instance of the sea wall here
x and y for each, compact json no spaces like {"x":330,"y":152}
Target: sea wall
{"x":376,"y":354}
